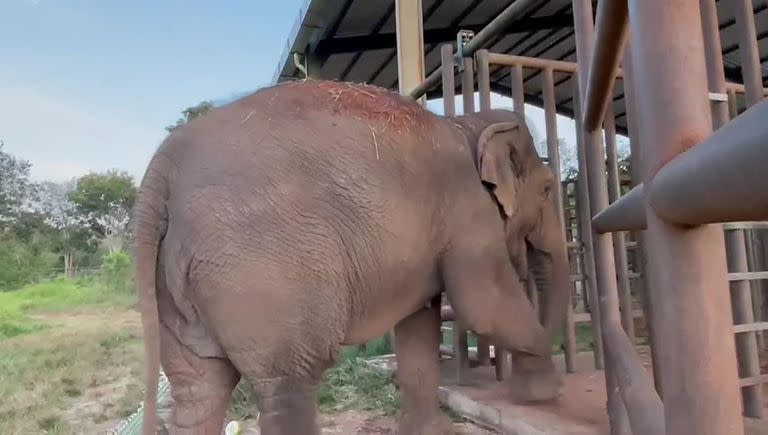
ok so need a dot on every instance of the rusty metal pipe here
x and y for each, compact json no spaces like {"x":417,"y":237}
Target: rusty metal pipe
{"x":611,"y":34}
{"x":729,"y":190}
{"x":449,"y":84}
{"x":644,"y":407}
{"x":696,"y":347}
{"x":619,"y":238}
{"x":626,"y":214}
{"x":593,"y":155}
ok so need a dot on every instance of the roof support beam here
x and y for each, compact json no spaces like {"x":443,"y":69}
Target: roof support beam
{"x":383,"y":41}
{"x":410,"y":45}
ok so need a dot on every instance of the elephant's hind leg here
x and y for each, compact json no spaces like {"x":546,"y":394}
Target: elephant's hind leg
{"x":287,"y":406}
{"x":417,"y":343}
{"x":200,"y":387}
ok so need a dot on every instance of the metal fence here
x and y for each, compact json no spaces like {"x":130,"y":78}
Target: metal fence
{"x":688,"y":182}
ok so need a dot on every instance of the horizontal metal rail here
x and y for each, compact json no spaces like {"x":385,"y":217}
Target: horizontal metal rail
{"x":587,"y":317}
{"x":718,"y":180}
{"x":498,"y":25}
{"x":750,"y":327}
{"x":644,"y":407}
{"x":536,"y":63}
{"x":625,"y":214}
{"x":747,"y":276}
{"x":611,"y":34}
{"x":755,"y":380}
{"x":721,"y":179}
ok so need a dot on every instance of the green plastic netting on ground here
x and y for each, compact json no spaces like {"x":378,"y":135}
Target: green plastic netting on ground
{"x":132,"y":424}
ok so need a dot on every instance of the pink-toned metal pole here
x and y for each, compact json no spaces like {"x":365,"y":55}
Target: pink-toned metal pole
{"x":686,"y":265}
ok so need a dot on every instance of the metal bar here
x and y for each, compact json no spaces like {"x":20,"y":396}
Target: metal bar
{"x":449,"y":86}
{"x":700,"y":384}
{"x":532,"y":62}
{"x":583,"y":213}
{"x":553,"y":154}
{"x":625,"y":214}
{"x":483,"y":80}
{"x":636,"y":166}
{"x":749,"y":51}
{"x":726,"y":192}
{"x":586,"y":317}
{"x":746,"y":342}
{"x":757,"y":380}
{"x":611,"y":32}
{"x":518,"y":92}
{"x":747,"y":276}
{"x":484,"y":88}
{"x":733,"y":110}
{"x":593,"y":156}
{"x":499,"y":24}
{"x":644,"y":407}
{"x":713,"y":54}
{"x":750,"y":327}
{"x":410,"y":45}
{"x":619,"y":238}
{"x":746,"y":226}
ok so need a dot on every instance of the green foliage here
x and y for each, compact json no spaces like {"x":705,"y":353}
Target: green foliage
{"x":23,"y":263}
{"x":104,"y":201}
{"x":117,"y":267}
{"x":191,"y":113}
{"x":352,"y":384}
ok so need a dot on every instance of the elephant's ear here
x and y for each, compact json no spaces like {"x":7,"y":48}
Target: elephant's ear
{"x":499,"y":162}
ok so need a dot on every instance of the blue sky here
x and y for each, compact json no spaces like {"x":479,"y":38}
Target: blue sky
{"x":91,"y":84}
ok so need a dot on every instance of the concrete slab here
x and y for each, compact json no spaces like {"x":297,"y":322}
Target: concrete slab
{"x":580,"y":409}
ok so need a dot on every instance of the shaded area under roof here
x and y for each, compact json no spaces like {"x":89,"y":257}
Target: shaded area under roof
{"x":354,"y":40}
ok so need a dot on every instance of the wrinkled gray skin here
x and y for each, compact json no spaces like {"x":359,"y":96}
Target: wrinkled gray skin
{"x":312,"y":215}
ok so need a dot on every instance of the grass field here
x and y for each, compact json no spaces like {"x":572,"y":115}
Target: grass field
{"x":71,"y":361}
{"x":70,"y":358}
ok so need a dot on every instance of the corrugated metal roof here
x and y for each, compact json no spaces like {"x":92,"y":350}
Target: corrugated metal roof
{"x":354,"y":40}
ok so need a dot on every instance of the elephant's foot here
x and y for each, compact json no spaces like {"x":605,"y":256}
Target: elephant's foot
{"x":534,"y":379}
{"x":287,"y":407}
{"x":436,"y":423}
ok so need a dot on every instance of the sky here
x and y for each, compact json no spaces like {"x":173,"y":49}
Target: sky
{"x":89,"y":85}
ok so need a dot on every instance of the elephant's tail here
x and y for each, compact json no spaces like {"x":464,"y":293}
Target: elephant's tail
{"x":151,"y":219}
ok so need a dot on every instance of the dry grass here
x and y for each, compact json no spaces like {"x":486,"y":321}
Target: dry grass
{"x":78,"y":371}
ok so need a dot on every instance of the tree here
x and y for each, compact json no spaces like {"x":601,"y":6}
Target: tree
{"x":16,"y":189}
{"x":191,"y":113}
{"x":104,"y":202}
{"x":73,"y":240}
{"x":569,"y":166}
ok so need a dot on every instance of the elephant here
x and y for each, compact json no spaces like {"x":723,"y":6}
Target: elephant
{"x":312,"y":215}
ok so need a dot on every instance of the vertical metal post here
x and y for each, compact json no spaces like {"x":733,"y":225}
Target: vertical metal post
{"x":733,"y":108}
{"x":410,"y":45}
{"x":686,"y":266}
{"x":484,"y":89}
{"x":741,"y":293}
{"x":585,"y":231}
{"x":460,"y":351}
{"x":751,"y":71}
{"x":619,"y":239}
{"x":449,"y":85}
{"x":636,"y":149}
{"x":748,"y":49}
{"x":594,"y":162}
{"x":518,"y":93}
{"x":553,"y":155}
{"x":746,"y":342}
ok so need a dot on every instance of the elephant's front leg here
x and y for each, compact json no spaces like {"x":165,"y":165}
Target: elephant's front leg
{"x":417,"y":343}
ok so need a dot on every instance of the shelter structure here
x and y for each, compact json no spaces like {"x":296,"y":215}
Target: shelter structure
{"x":684,"y":80}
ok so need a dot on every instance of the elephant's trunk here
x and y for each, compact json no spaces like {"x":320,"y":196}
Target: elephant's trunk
{"x":548,"y":261}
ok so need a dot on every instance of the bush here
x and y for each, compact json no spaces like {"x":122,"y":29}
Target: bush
{"x":22,"y":264}
{"x":117,"y":268}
